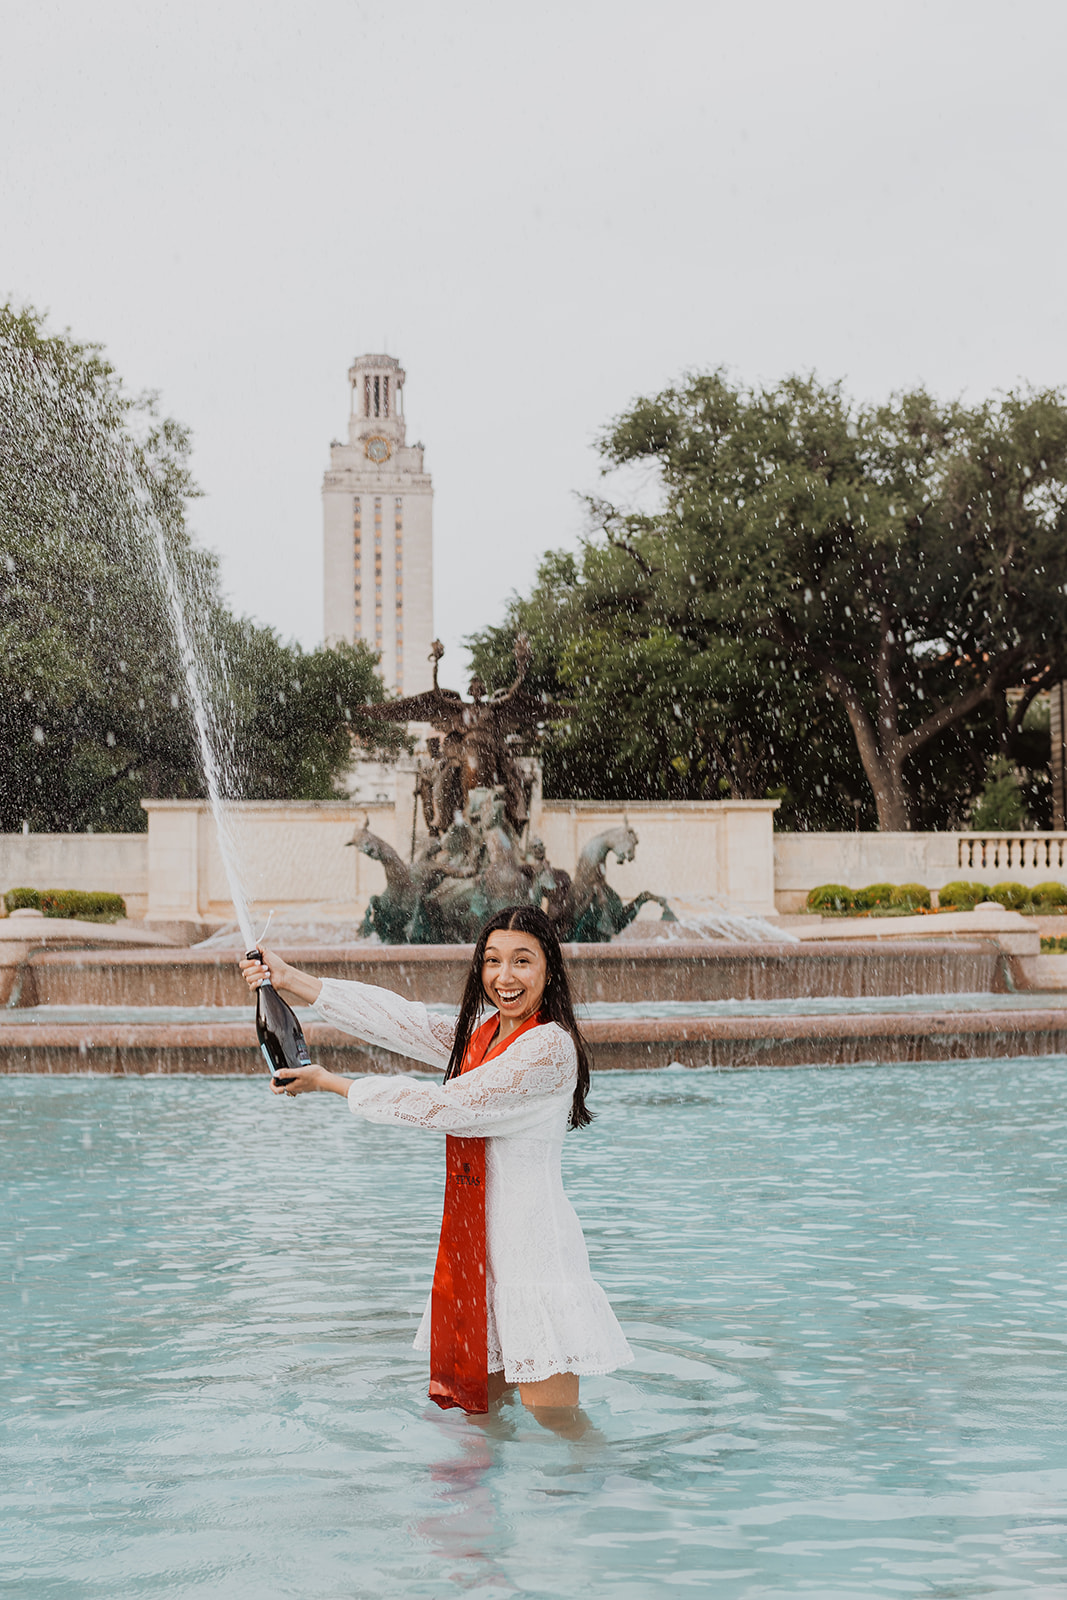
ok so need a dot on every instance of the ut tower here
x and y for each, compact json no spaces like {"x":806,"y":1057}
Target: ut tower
{"x":378,"y":530}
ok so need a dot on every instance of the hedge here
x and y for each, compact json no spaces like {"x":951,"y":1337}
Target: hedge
{"x":1011,"y":895}
{"x":911,"y":896}
{"x":830,"y":897}
{"x":88,"y":905}
{"x":964,"y":896}
{"x":875,"y":895}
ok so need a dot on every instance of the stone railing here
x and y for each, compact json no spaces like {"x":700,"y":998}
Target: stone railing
{"x":1027,"y":855}
{"x":803,"y":860}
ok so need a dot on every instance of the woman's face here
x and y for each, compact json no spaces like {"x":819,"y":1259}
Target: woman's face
{"x":514,"y":971}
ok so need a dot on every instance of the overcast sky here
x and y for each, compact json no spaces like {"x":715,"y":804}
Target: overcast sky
{"x":544,"y":210}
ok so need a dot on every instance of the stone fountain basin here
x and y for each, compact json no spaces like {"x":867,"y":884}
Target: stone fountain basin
{"x":134,"y":1045}
{"x":977,"y":974}
{"x":629,"y":972}
{"x":1012,"y":932}
{"x":22,"y":933}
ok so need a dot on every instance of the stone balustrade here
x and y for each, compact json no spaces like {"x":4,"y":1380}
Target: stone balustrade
{"x":1027,"y":857}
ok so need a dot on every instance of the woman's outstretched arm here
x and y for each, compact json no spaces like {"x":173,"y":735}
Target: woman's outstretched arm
{"x":375,"y":1015}
{"x":508,"y":1095}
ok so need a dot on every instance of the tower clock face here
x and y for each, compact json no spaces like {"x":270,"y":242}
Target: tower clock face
{"x":377,"y":449}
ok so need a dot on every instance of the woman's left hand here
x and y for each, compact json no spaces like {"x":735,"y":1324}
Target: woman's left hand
{"x":306,"y":1080}
{"x":301,"y":1080}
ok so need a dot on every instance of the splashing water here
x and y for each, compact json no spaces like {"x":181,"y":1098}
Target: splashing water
{"x":208,"y":734}
{"x":705,"y":918}
{"x":206,"y":731}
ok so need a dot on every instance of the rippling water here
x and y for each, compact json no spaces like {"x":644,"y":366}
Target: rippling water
{"x":846,"y":1289}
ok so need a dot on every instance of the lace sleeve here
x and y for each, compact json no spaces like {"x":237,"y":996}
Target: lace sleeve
{"x":383,"y":1018}
{"x":509,"y":1094}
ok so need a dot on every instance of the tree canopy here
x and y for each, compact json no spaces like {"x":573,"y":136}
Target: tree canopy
{"x":831,"y":593}
{"x":94,"y":713}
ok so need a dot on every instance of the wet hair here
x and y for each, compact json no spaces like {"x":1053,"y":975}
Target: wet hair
{"x":556,"y":1003}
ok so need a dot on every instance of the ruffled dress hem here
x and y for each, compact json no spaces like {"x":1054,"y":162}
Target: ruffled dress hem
{"x":573,"y":1325}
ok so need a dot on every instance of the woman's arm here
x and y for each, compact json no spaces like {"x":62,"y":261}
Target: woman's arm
{"x":375,"y":1015}
{"x":505,"y":1096}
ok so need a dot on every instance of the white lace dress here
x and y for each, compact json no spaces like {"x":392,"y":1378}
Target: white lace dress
{"x":545,"y":1313}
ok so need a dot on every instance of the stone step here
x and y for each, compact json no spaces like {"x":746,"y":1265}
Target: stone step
{"x":727,"y":1043}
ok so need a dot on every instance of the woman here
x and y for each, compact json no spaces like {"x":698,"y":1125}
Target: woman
{"x":513,"y":1301}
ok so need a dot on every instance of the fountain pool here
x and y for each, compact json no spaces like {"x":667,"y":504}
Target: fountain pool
{"x":846,"y":1290}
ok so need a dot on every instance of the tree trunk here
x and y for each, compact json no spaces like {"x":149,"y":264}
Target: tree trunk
{"x":884,"y":771}
{"x":890,"y":796}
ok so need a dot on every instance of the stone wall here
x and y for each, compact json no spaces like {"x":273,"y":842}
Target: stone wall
{"x":297,"y":856}
{"x":802,"y":861}
{"x":114,"y":862}
{"x":297,"y":859}
{"x":717,"y":850}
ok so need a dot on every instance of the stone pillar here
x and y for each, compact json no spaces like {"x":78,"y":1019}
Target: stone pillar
{"x":746,"y":855}
{"x":173,"y":860}
{"x":1057,"y":729}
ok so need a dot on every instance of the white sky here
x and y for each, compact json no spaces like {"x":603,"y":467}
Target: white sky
{"x":544,"y":210}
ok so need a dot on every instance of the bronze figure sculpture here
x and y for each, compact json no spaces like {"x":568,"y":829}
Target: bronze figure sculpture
{"x":475,"y":798}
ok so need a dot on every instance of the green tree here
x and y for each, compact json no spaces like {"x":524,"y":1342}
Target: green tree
{"x":1000,"y":807}
{"x":897,"y":566}
{"x":93,"y":709}
{"x":650,"y":715}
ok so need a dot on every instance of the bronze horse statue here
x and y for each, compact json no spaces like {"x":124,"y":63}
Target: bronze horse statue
{"x":593,"y":912}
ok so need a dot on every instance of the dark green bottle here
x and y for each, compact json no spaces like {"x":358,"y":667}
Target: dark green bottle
{"x":280,"y":1035}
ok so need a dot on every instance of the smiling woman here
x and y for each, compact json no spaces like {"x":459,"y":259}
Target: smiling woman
{"x":513,"y":1300}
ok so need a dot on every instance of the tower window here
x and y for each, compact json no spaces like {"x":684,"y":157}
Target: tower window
{"x":357,"y":554}
{"x":377,"y":564}
{"x":385,"y":397}
{"x":366,"y":396}
{"x":377,"y":396}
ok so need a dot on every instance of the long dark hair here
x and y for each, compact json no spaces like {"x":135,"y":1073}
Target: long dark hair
{"x":556,"y":1003}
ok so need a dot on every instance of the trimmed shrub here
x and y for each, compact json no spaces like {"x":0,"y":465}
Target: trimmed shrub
{"x":911,"y":896}
{"x":1054,"y":945}
{"x":1012,"y":896}
{"x":22,"y":900}
{"x":1051,"y":894}
{"x":964,"y":896}
{"x":830,"y":897}
{"x":874,"y":897}
{"x":87,"y":905}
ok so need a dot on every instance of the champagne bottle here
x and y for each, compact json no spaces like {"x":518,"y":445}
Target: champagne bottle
{"x":280,"y":1035}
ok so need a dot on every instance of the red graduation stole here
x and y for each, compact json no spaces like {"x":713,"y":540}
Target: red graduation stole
{"x":459,"y":1367}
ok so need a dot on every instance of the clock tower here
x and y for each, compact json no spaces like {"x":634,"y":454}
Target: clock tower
{"x":378,"y":530}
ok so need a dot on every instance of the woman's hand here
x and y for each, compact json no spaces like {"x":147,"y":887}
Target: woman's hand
{"x":272,"y":966}
{"x":301,"y":985}
{"x":306,"y":1080}
{"x":301,"y":1080}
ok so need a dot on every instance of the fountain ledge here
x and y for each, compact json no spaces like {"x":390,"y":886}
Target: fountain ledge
{"x":628,"y":971}
{"x":229,"y":1048}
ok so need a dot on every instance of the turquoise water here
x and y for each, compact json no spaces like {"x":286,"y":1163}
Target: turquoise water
{"x":847,"y":1290}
